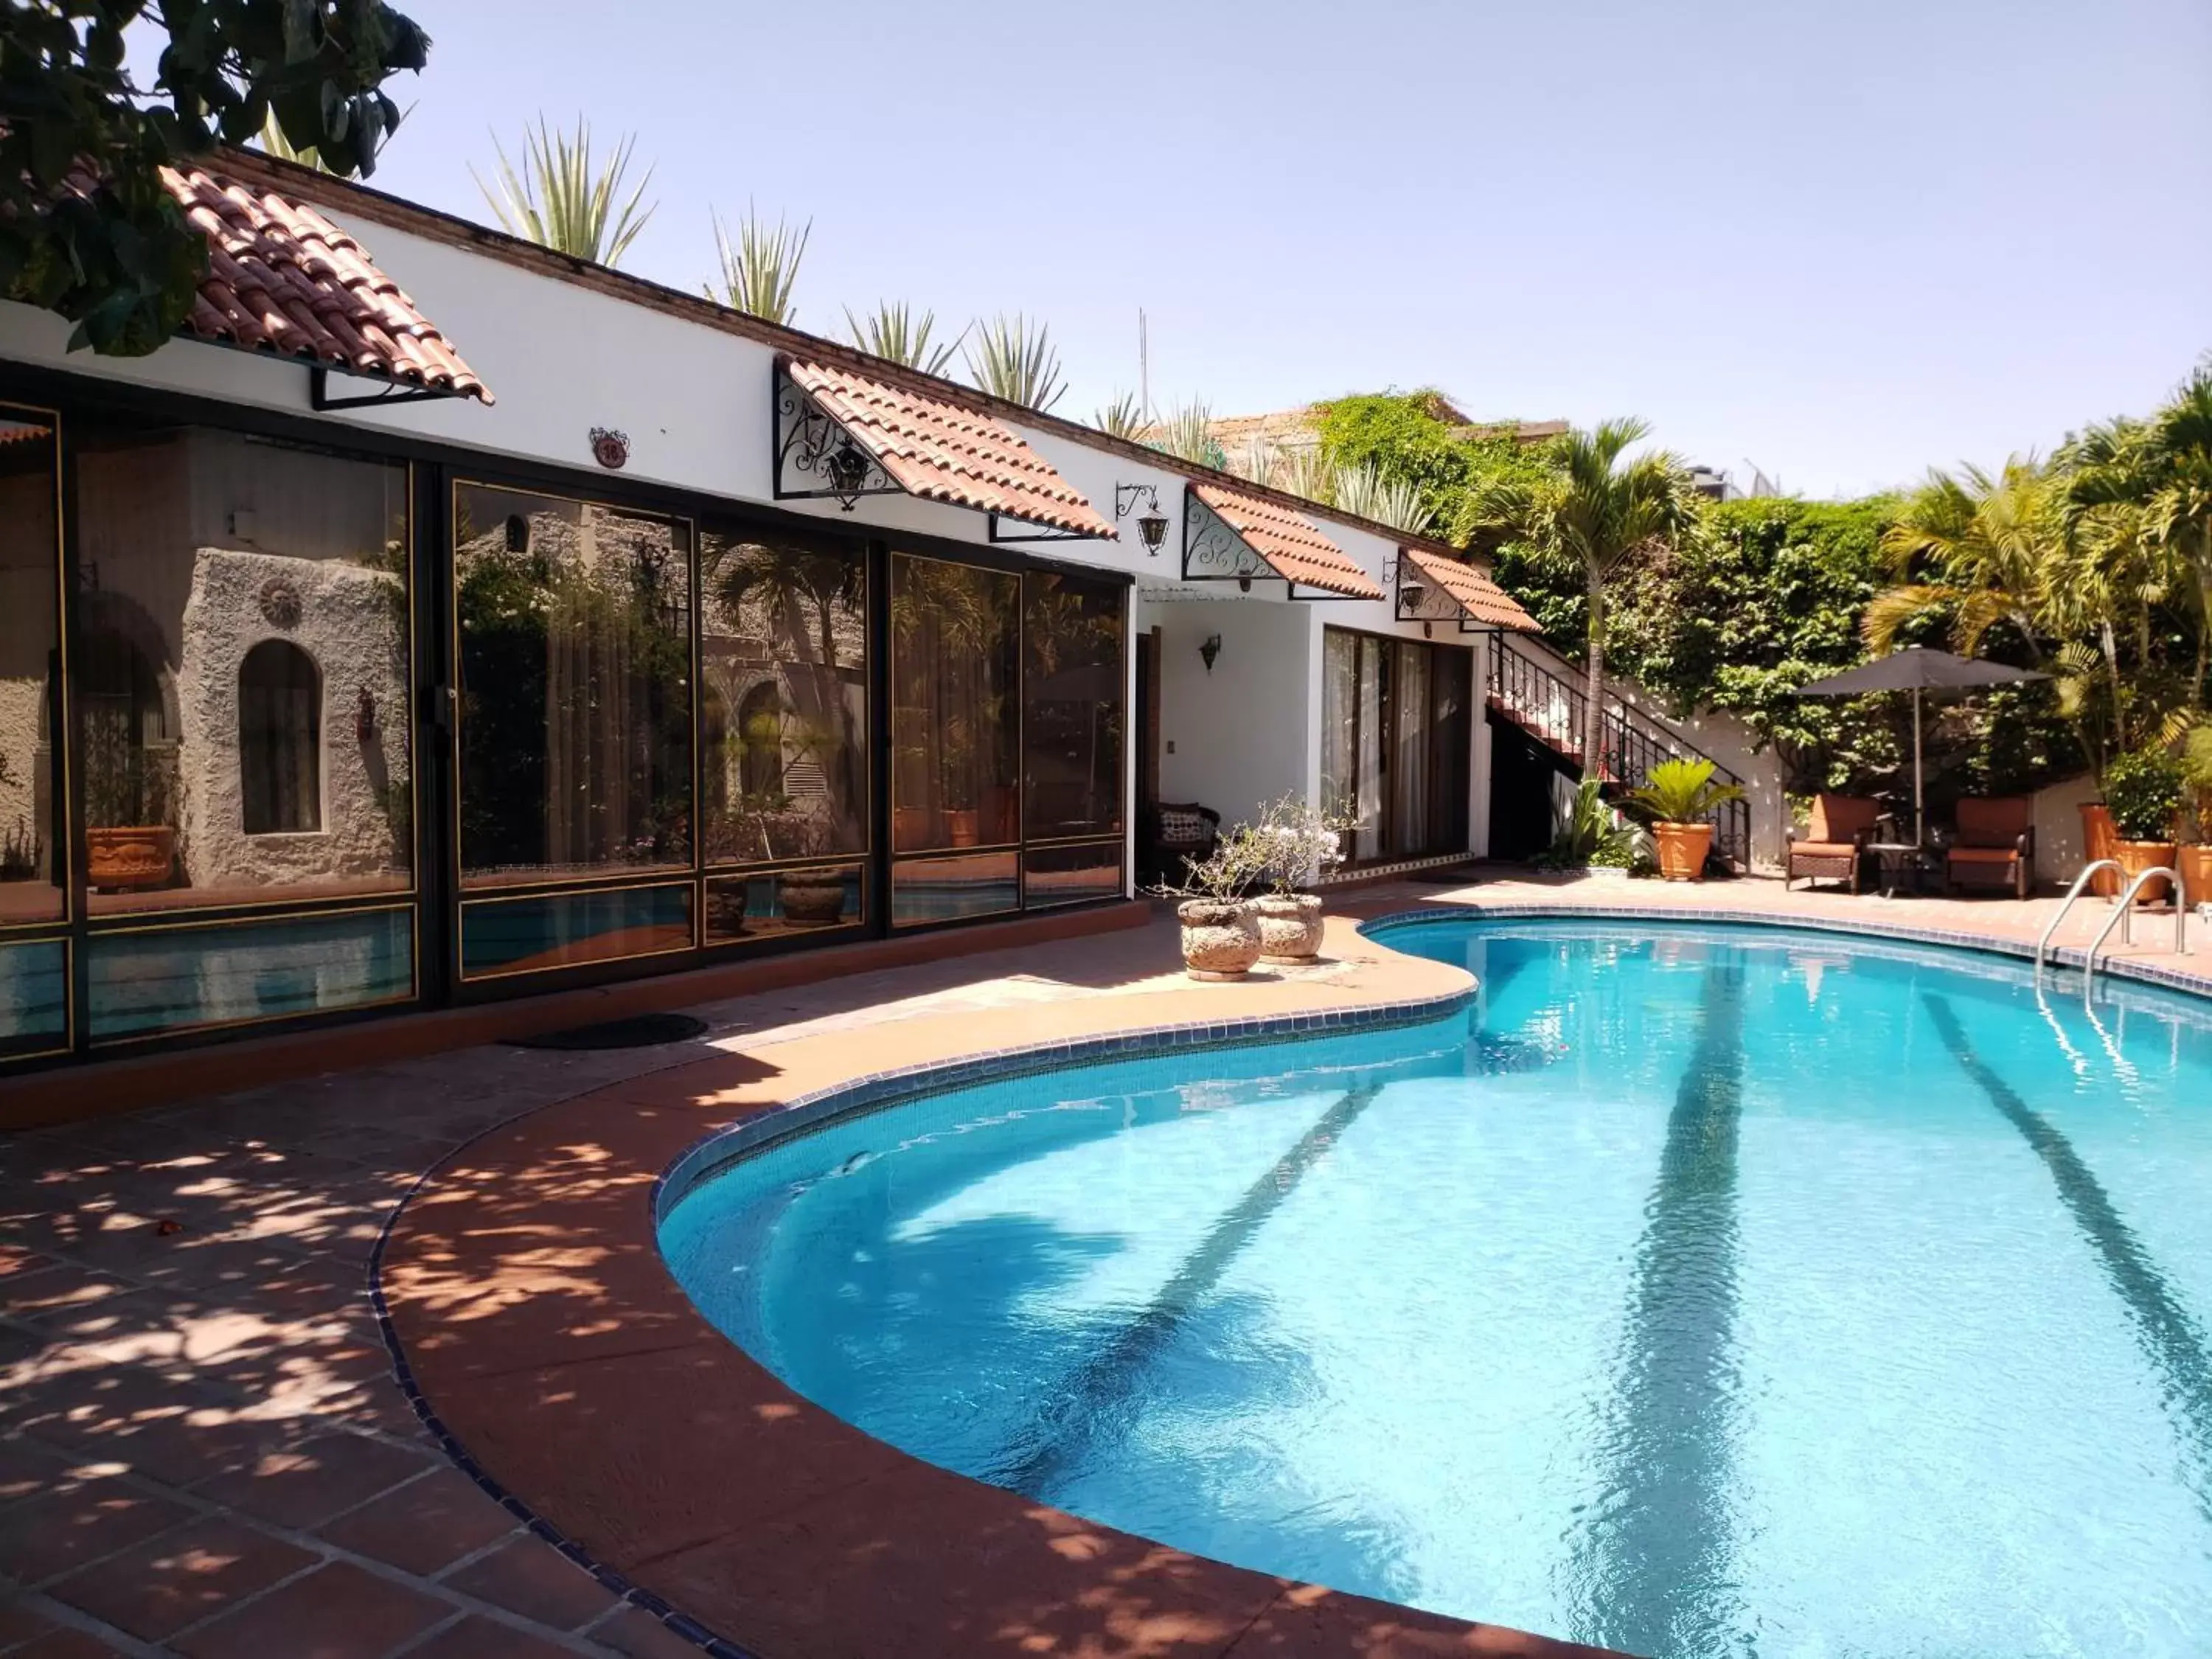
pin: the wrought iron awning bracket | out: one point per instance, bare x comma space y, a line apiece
1213, 552
1037, 532
394, 393
814, 457
1424, 601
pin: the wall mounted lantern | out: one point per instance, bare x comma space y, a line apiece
1210, 650
1152, 523
848, 471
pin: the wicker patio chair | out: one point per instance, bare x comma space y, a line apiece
1831, 844
1995, 846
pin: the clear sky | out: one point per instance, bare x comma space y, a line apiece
1844, 239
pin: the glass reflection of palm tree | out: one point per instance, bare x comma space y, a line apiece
952, 696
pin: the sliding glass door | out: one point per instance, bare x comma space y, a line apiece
1396, 731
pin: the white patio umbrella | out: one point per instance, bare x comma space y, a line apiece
1922, 673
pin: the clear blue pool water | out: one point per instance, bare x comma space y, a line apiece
1702, 1291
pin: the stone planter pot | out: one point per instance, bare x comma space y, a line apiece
118, 858
2195, 867
1289, 926
2097, 842
2138, 856
814, 899
1682, 848
1220, 937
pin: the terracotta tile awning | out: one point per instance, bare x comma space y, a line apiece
283, 279
1279, 542
938, 451
1472, 594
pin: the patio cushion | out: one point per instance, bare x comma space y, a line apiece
1839, 817
1983, 854
1997, 823
1181, 824
1823, 849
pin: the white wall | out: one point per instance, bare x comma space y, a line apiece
1247, 733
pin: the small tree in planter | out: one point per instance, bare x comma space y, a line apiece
1220, 933
1298, 842
1591, 837
2143, 791
2196, 865
1681, 796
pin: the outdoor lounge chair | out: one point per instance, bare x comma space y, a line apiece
1176, 831
1831, 844
1995, 846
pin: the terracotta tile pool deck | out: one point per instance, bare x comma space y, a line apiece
204, 1452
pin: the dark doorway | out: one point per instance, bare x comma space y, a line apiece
1521, 782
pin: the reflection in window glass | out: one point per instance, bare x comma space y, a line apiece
947, 889
30, 772
33, 998
1072, 703
956, 718
241, 671
1071, 875
576, 671
777, 905
173, 979
566, 930
783, 700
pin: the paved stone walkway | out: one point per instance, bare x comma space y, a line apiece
202, 1452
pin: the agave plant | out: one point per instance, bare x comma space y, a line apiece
759, 273
1306, 473
891, 331
565, 198
1188, 435
1122, 418
1366, 493
1013, 358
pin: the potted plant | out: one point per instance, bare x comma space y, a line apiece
2143, 791
128, 844
2196, 857
1592, 838
1220, 933
815, 897
1296, 841
1679, 795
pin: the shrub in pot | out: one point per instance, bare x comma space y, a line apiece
2143, 791
1220, 933
1681, 796
1591, 837
1296, 842
2195, 857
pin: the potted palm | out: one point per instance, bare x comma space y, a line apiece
1590, 838
2195, 857
1220, 931
2143, 791
1297, 841
1680, 795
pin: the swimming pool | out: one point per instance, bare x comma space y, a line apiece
1700, 1291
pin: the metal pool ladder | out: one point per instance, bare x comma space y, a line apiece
2072, 893
2127, 910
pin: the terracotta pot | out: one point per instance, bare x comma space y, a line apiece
1220, 937
1682, 849
2138, 856
2195, 867
962, 826
810, 897
140, 857
909, 829
2097, 840
1289, 926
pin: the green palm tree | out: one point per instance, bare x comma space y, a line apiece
891, 331
1013, 357
762, 269
1594, 514
564, 198
1986, 546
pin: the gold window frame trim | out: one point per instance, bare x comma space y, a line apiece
685, 881
414, 993
296, 903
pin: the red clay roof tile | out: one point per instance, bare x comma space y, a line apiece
942, 452
282, 278
1481, 599
1288, 542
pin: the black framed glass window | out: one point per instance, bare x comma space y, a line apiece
573, 633
240, 669
1072, 685
32, 841
1397, 733
956, 706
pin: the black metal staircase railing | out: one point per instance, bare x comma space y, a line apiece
1551, 707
